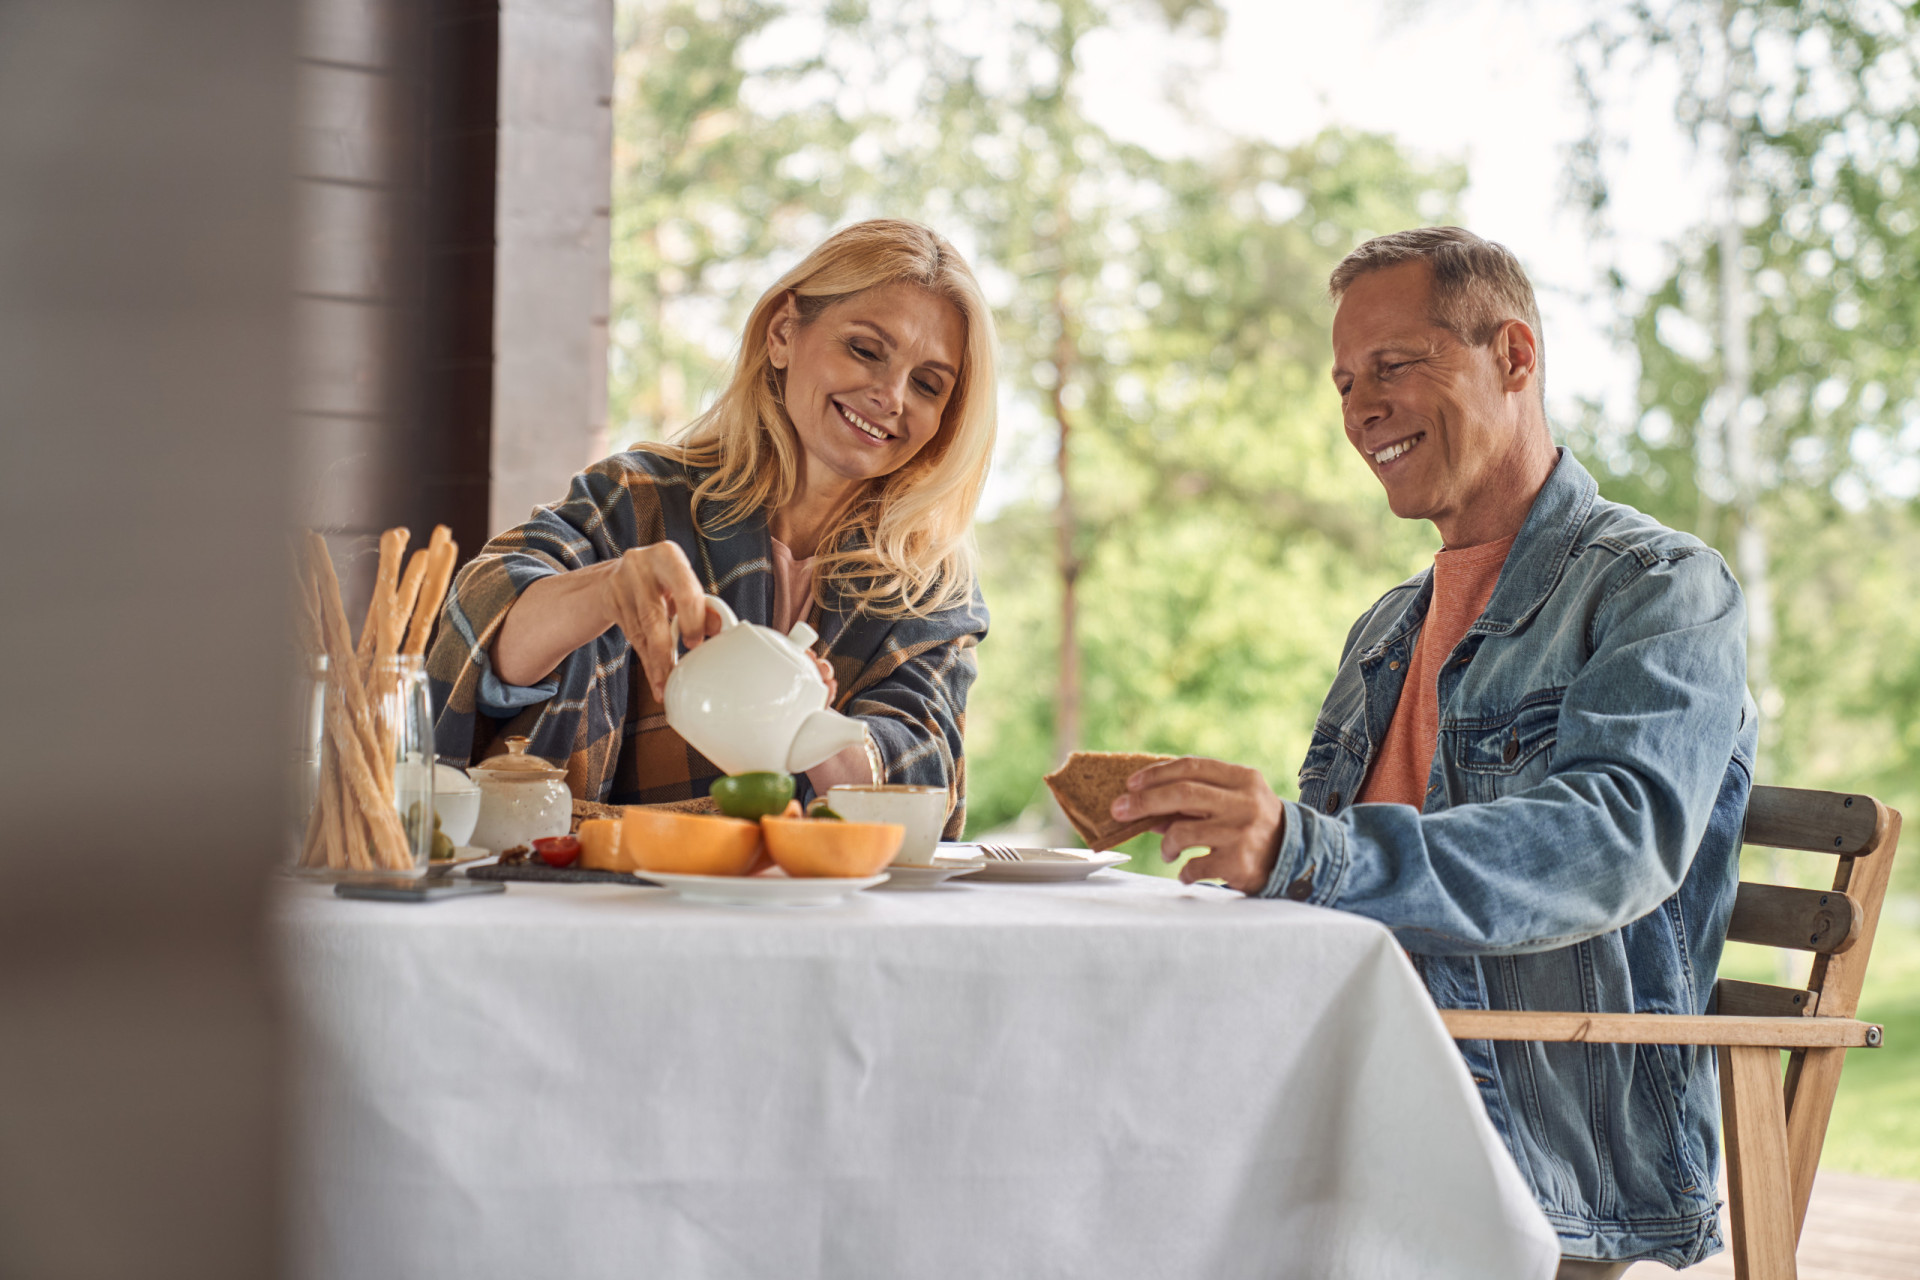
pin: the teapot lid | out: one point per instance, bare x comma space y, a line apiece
517, 765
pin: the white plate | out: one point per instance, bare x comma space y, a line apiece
774, 889
903, 876
1039, 865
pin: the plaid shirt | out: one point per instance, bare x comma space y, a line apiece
906, 678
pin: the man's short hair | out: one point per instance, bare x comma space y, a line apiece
1477, 285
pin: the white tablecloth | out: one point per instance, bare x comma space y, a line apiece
1119, 1078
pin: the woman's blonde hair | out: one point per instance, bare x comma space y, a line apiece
905, 546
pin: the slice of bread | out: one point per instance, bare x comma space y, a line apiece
585, 809
1086, 787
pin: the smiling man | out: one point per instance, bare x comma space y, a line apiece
1534, 760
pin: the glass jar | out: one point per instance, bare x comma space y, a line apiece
372, 813
303, 781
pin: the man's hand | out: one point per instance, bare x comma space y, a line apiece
1228, 808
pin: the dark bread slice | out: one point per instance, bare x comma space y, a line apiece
584, 809
1086, 787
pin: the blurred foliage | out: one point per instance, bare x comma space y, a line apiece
1227, 540
1825, 102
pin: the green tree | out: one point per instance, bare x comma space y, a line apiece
708, 192
1779, 401
1779, 418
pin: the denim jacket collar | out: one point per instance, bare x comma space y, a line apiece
1534, 567
1540, 554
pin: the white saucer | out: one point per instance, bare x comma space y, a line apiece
773, 889
1037, 866
904, 876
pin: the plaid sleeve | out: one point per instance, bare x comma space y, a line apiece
576, 713
913, 698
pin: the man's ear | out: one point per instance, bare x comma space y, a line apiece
1517, 351
780, 330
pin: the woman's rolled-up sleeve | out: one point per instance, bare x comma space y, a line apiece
596, 521
913, 699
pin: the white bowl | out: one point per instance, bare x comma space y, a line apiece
457, 802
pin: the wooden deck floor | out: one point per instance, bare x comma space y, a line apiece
1857, 1229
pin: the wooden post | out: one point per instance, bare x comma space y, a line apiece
1753, 1108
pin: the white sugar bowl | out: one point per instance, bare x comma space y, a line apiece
456, 802
522, 799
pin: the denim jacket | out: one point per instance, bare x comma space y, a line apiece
1578, 848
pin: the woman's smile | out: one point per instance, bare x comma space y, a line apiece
866, 428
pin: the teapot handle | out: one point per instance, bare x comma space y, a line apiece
727, 619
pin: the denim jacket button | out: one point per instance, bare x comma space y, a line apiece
1302, 889
1333, 801
1509, 751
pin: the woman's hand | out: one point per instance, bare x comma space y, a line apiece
640, 593
644, 591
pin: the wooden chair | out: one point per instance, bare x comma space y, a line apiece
1773, 1128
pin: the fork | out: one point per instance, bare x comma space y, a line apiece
1001, 852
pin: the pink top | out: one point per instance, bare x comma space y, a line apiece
792, 601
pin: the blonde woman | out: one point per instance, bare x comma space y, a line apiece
834, 481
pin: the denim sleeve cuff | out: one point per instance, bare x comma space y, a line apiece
1309, 865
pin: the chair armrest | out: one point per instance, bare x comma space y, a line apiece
1660, 1028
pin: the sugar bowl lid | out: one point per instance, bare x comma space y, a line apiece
517, 765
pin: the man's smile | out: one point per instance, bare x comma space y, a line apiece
1398, 449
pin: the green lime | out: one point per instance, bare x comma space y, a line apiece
753, 795
818, 809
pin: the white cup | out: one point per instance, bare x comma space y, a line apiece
921, 810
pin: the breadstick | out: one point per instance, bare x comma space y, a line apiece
409, 590
312, 847
343, 669
393, 544
432, 594
351, 724
389, 625
353, 838
314, 852
307, 616
338, 843
367, 812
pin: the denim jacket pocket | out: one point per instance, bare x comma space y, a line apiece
1500, 754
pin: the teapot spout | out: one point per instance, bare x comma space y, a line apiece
822, 735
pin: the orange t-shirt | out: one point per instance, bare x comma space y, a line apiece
1463, 582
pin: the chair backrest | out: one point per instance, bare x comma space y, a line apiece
1837, 925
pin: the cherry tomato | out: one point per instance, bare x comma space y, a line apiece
558, 851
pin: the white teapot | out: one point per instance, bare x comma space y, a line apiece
750, 699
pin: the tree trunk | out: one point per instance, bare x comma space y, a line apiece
1066, 717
